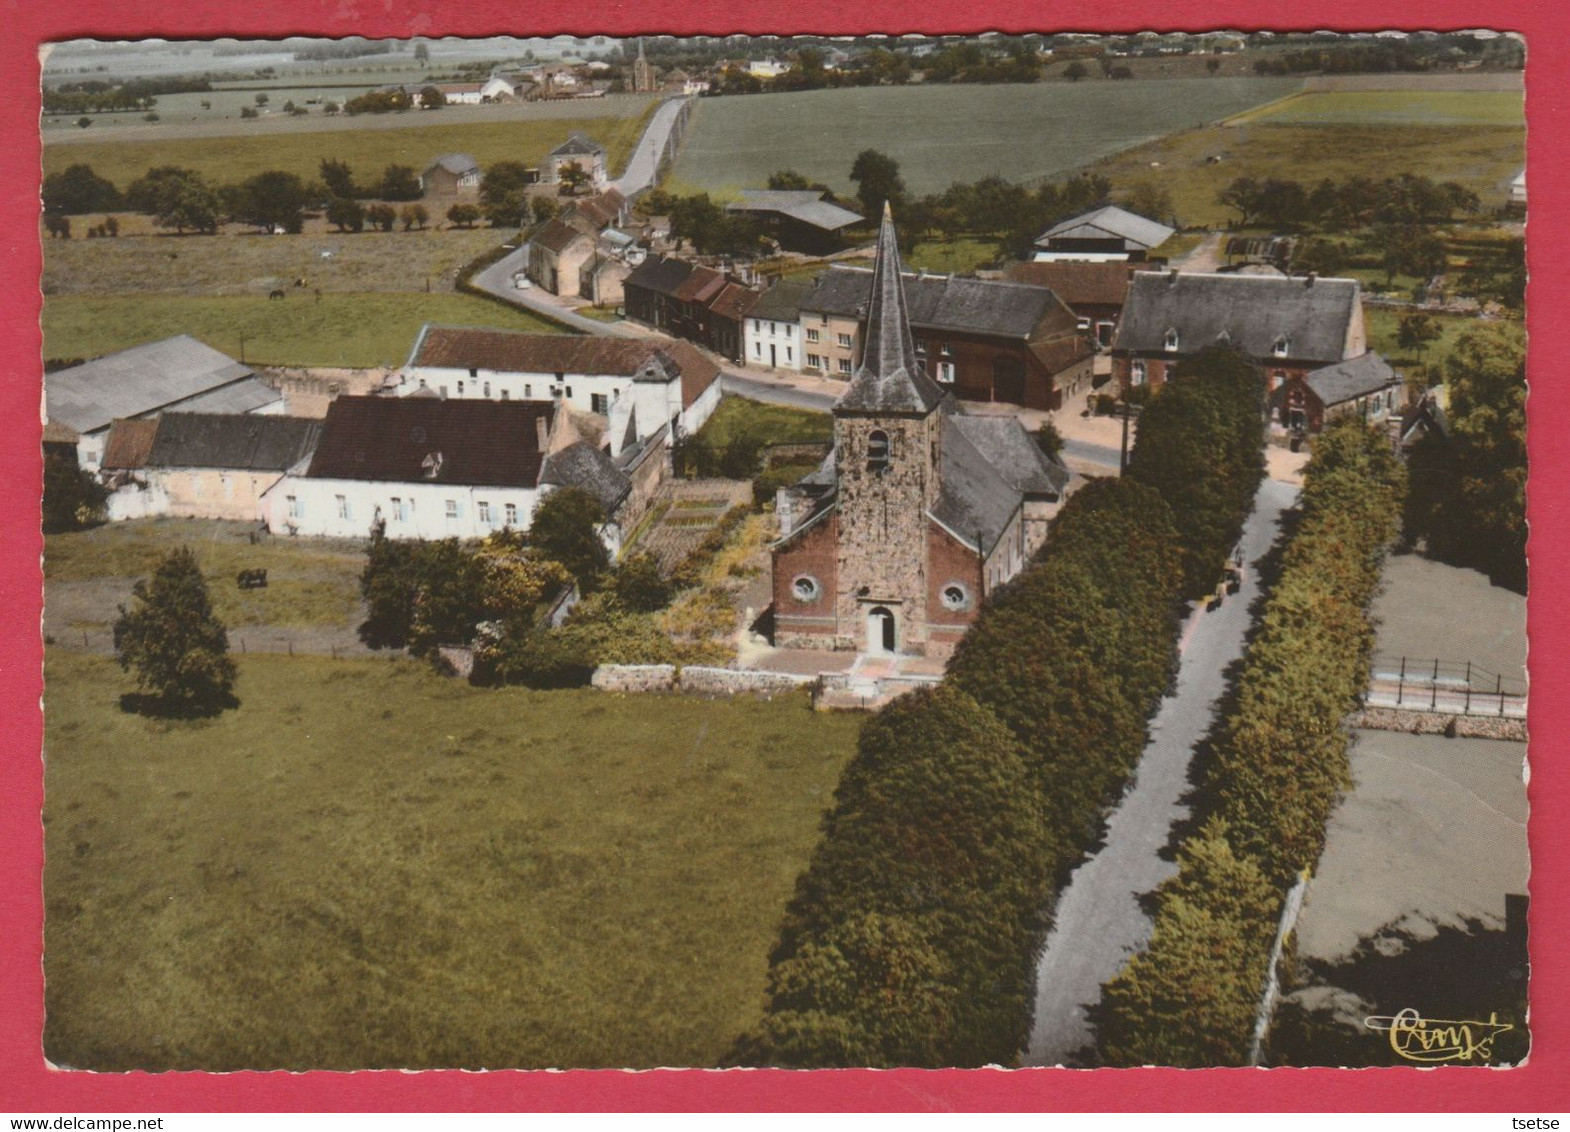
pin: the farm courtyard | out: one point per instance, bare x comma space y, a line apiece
473, 878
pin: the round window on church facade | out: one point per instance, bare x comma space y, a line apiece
956, 598
805, 588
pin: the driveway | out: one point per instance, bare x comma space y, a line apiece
1099, 923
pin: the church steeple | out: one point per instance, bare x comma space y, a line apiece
891, 377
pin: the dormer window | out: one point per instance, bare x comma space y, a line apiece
1282, 347
431, 466
1170, 341
877, 451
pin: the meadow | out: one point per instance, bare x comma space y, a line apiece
943, 134
351, 330
366, 864
368, 143
1393, 108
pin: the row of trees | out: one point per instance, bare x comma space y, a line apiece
1277, 764
1468, 494
1407, 199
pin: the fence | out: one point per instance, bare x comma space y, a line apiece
1451, 687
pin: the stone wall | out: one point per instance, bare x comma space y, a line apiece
635, 678
695, 680
1441, 723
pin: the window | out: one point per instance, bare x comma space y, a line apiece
510, 510
1136, 373
955, 597
452, 508
506, 395
422, 383
772, 330
814, 361
487, 390
946, 372
398, 513
788, 356
528, 391
599, 403
944, 351
441, 391
805, 588
484, 510
569, 393
472, 373
877, 451
1082, 324
757, 349
845, 365
845, 340
460, 389
1282, 347
1170, 341
294, 508
343, 505
812, 334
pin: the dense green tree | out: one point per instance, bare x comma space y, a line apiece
400, 182
431, 98
463, 215
1415, 331
639, 584
1075, 71
273, 200
413, 216
382, 216
1150, 198
347, 215
179, 649
176, 198
543, 208
78, 189
73, 497
566, 529
572, 177
877, 180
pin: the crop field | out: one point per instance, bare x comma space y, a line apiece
367, 142
368, 865
1195, 165
942, 134
353, 330
1394, 108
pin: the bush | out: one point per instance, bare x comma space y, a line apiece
566, 529
179, 649
73, 498
639, 585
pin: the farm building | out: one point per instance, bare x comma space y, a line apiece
1095, 292
578, 253
202, 465
802, 221
772, 335
985, 340
175, 373
689, 301
920, 512
579, 149
639, 385
451, 174
1288, 326
1108, 233
430, 468
1363, 386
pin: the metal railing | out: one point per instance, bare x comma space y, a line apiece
1452, 687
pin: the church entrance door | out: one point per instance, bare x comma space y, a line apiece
880, 631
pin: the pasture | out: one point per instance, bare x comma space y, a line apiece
352, 330
1393, 108
367, 142
368, 865
942, 134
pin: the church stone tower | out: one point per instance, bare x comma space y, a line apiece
887, 431
643, 81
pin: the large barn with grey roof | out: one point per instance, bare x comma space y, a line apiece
919, 512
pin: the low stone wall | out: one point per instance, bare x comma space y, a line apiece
635, 678
1440, 723
696, 680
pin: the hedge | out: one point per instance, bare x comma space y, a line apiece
1278, 765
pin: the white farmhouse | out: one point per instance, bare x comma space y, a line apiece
771, 332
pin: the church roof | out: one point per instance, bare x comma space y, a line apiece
891, 379
976, 501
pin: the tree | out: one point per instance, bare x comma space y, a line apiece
1048, 438
422, 52
572, 176
413, 216
73, 497
1416, 331
1149, 198
331, 108
432, 98
261, 99
249, 112
348, 215
176, 198
59, 226
566, 529
400, 182
338, 178
543, 208
1075, 71
179, 649
78, 189
504, 193
1243, 195
382, 216
877, 180
273, 200
639, 584
463, 215
84, 122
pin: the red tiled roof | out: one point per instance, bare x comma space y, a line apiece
602, 209
556, 235
481, 443
735, 301
700, 286
697, 371
1099, 284
129, 443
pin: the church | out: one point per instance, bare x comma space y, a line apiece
920, 511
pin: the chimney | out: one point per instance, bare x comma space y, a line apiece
542, 433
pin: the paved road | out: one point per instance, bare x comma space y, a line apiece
644, 164
1098, 922
497, 280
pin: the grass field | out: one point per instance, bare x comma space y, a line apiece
367, 150
942, 134
1383, 324
357, 330
1393, 108
1483, 158
309, 581
254, 264
738, 418
369, 865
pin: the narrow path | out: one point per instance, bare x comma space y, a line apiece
497, 280
643, 167
1098, 922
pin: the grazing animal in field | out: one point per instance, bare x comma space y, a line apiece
300, 282
276, 294
252, 579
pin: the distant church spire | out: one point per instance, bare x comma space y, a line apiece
891, 376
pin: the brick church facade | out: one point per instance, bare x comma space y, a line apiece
892, 545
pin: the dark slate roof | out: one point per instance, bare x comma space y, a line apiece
577, 144
245, 443
782, 301
939, 302
1351, 379
1136, 232
891, 378
481, 443
458, 163
141, 380
556, 235
582, 465
1254, 312
1089, 284
1012, 452
976, 502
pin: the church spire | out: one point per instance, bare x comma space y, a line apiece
891, 376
